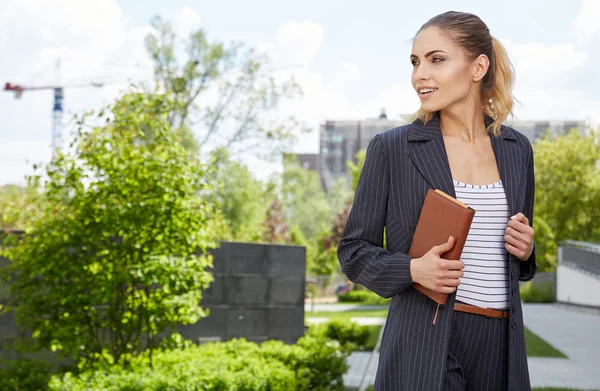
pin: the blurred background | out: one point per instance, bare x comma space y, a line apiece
271, 106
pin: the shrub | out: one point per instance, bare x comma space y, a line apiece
350, 335
315, 363
363, 296
537, 292
24, 375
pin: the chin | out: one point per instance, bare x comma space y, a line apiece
431, 106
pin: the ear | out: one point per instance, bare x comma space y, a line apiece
480, 67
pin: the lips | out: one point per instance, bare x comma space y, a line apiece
426, 90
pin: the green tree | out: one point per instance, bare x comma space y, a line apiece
242, 116
241, 197
119, 253
275, 229
567, 194
17, 205
356, 168
304, 201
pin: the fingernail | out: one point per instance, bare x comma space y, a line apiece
513, 217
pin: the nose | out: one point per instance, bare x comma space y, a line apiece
422, 72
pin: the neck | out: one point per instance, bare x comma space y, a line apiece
465, 122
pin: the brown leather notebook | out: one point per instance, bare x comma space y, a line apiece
442, 216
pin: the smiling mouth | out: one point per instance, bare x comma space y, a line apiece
427, 91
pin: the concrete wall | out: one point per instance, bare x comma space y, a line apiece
258, 294
578, 274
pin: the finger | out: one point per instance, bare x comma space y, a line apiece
452, 265
515, 242
453, 274
452, 282
515, 251
519, 226
515, 236
521, 218
446, 289
444, 247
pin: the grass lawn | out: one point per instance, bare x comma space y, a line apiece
536, 347
373, 335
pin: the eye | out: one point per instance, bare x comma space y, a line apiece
437, 59
414, 62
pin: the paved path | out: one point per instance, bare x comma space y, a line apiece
573, 331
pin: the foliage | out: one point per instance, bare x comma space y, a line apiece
24, 375
362, 296
242, 117
314, 215
356, 168
274, 228
304, 200
350, 335
242, 198
16, 205
567, 194
314, 363
112, 261
537, 292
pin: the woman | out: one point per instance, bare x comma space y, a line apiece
457, 144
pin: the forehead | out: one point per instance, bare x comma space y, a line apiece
430, 39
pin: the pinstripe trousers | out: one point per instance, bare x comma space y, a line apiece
477, 354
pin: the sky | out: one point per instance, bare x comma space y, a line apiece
351, 58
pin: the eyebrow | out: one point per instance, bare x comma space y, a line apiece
428, 53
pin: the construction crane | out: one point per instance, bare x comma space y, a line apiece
57, 110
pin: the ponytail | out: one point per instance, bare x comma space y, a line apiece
498, 100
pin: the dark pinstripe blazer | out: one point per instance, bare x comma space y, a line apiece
401, 165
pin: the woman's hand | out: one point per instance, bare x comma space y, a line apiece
519, 237
433, 272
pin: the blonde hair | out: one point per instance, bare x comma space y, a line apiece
472, 34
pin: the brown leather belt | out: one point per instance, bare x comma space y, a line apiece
489, 312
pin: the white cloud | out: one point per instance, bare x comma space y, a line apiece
296, 43
352, 71
586, 25
185, 21
542, 82
539, 64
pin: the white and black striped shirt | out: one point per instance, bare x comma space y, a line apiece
485, 282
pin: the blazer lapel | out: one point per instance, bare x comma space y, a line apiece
428, 153
511, 173
429, 156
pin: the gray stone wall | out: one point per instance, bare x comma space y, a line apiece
258, 294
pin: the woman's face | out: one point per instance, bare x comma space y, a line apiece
442, 74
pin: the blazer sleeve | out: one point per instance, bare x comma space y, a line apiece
528, 268
360, 252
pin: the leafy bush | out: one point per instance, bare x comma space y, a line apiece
362, 296
315, 363
118, 253
24, 375
350, 335
537, 292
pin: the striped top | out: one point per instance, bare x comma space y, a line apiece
485, 282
